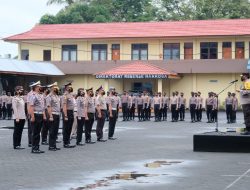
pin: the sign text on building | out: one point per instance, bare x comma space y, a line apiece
132, 76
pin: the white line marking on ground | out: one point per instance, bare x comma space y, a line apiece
239, 178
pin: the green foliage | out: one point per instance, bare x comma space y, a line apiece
81, 11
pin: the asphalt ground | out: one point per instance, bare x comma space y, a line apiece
146, 155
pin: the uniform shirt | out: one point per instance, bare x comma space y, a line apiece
80, 106
139, 101
173, 100
113, 101
165, 101
157, 100
215, 106
118, 100
37, 101
200, 101
193, 101
4, 99
29, 96
209, 101
9, 100
89, 104
69, 101
145, 100
53, 101
182, 101
18, 106
101, 101
235, 103
244, 95
124, 99
229, 101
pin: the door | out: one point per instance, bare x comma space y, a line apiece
115, 52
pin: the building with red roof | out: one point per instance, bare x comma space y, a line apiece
199, 55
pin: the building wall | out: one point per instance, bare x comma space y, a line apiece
155, 47
189, 82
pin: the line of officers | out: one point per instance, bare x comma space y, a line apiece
45, 106
177, 103
6, 106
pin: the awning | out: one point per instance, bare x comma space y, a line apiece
14, 66
136, 70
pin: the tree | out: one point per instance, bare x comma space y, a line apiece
48, 19
67, 2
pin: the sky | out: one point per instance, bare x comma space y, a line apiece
17, 16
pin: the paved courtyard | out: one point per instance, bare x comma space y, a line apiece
146, 155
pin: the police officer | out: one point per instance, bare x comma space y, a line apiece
4, 105
9, 105
199, 107
182, 107
68, 115
157, 106
101, 113
235, 107
18, 105
215, 108
132, 106
29, 98
46, 123
165, 102
193, 106
245, 101
229, 107
54, 109
177, 105
89, 107
1, 104
113, 103
124, 102
173, 106
107, 106
80, 115
146, 104
209, 107
139, 105
37, 112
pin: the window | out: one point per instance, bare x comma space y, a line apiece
188, 50
227, 50
239, 50
171, 51
209, 50
139, 51
115, 52
69, 53
46, 55
99, 52
24, 54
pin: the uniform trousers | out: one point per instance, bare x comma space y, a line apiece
30, 126
125, 113
246, 113
157, 112
45, 128
80, 124
140, 112
174, 112
36, 126
112, 123
229, 112
18, 130
100, 125
199, 113
67, 127
9, 111
132, 112
182, 112
164, 112
1, 111
214, 115
192, 111
145, 112
53, 130
149, 112
4, 111
234, 116
209, 112
88, 126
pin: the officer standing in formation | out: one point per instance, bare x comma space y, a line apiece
4, 105
182, 107
157, 102
173, 107
199, 107
165, 103
125, 103
80, 100
229, 107
235, 107
18, 105
140, 106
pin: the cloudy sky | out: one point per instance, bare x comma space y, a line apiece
17, 16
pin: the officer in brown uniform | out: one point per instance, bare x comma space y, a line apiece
101, 113
37, 112
113, 103
215, 108
68, 115
29, 98
165, 102
140, 106
193, 106
80, 115
235, 107
173, 106
229, 107
157, 106
199, 106
46, 123
124, 102
182, 107
177, 114
146, 104
89, 107
18, 105
132, 107
9, 105
53, 105
209, 106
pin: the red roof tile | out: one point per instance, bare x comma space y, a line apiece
136, 30
137, 68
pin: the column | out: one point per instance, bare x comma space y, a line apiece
194, 82
106, 85
159, 84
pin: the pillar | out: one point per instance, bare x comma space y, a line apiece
159, 84
106, 85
